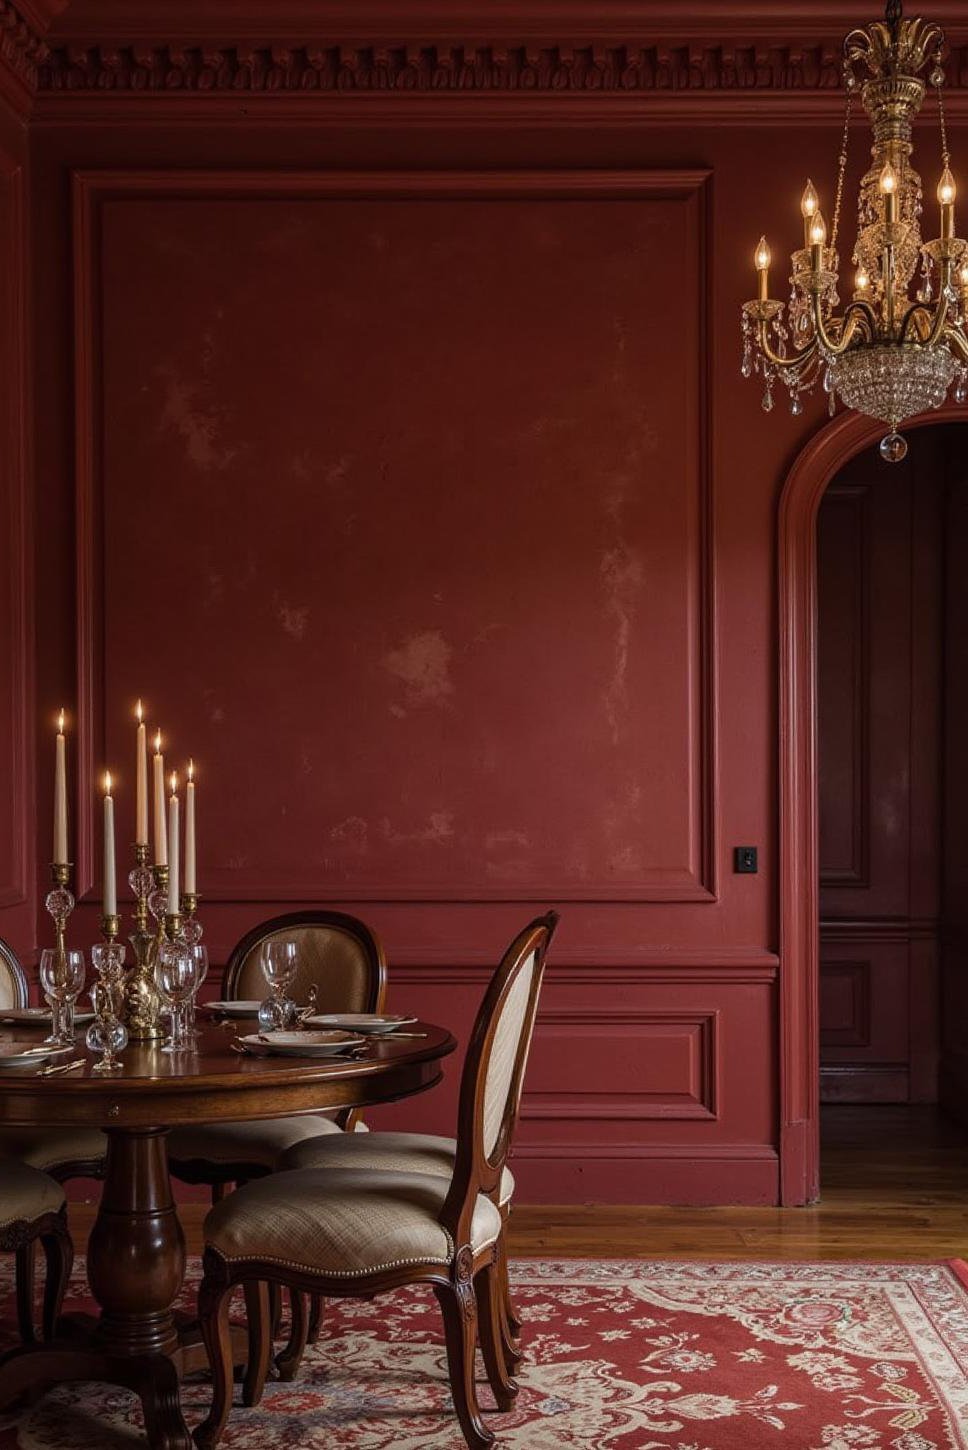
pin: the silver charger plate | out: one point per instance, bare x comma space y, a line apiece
231, 1009
302, 1044
372, 1024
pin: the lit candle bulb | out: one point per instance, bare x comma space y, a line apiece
60, 794
161, 835
861, 282
761, 261
173, 891
809, 204
110, 884
818, 236
946, 199
887, 182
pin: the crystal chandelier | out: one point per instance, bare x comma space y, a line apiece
883, 354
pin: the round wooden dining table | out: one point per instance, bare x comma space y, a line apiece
136, 1252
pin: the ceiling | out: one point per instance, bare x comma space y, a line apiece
295, 20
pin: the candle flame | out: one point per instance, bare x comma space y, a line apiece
191, 770
107, 782
158, 743
60, 723
139, 711
174, 782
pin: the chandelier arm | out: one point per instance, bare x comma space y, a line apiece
936, 322
851, 326
957, 341
778, 359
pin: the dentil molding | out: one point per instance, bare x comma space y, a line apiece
474, 67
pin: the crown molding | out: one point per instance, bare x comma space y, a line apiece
462, 69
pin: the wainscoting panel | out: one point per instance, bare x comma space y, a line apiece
404, 633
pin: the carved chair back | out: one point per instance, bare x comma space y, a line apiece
13, 978
337, 954
493, 1076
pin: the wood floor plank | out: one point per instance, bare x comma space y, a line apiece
894, 1186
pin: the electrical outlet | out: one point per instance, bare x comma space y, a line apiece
744, 860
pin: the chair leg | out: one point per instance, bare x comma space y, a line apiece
509, 1320
490, 1306
458, 1306
260, 1340
275, 1310
316, 1302
515, 1323
26, 1259
289, 1360
213, 1318
59, 1257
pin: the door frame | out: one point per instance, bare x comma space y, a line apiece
799, 884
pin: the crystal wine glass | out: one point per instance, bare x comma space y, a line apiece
176, 974
61, 978
279, 962
106, 1034
200, 958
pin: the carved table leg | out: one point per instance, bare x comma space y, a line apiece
136, 1265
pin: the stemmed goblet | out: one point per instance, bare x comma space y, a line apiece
200, 958
279, 962
61, 978
106, 1033
176, 978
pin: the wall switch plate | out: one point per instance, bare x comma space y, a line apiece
744, 860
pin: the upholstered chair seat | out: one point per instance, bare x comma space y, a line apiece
343, 1224
32, 1211
26, 1194
62, 1152
248, 1147
389, 1152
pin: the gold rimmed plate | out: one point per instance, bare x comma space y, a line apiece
302, 1044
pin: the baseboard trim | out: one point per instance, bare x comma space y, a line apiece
733, 1173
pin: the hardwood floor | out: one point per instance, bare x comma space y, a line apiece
894, 1186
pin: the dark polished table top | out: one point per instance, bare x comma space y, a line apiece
216, 1082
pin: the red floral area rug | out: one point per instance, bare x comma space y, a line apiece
628, 1356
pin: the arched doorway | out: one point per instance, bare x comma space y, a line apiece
812, 472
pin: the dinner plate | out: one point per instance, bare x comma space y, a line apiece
302, 1044
19, 1054
371, 1023
232, 1009
37, 1017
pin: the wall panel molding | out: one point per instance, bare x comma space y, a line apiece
691, 1035
693, 881
16, 642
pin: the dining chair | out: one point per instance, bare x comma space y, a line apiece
32, 1212
360, 1232
343, 959
60, 1153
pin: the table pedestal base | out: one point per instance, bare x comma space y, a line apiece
135, 1267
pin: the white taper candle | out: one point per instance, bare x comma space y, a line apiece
173, 892
110, 882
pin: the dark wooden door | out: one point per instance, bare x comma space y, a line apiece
880, 571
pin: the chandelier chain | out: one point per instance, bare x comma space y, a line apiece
892, 15
945, 156
841, 169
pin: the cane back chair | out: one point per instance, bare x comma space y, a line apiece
359, 1232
